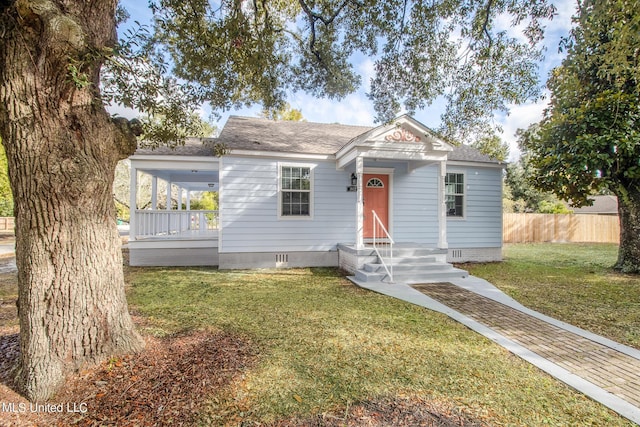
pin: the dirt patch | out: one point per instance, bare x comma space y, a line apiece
399, 411
163, 385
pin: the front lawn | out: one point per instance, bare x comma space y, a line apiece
571, 282
323, 345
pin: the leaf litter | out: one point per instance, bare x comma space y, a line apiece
170, 380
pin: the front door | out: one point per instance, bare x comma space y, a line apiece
376, 197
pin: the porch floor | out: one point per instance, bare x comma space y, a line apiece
183, 235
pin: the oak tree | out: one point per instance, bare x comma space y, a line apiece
60, 63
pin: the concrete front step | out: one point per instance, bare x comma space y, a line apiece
434, 276
411, 277
408, 265
407, 269
400, 252
412, 263
369, 277
419, 259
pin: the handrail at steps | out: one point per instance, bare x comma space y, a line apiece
388, 247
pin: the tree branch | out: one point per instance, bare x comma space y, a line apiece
63, 30
485, 25
126, 135
313, 17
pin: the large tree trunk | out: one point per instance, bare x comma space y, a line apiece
629, 211
62, 149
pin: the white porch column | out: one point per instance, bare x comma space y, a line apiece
188, 199
179, 198
442, 212
154, 192
133, 198
168, 195
359, 204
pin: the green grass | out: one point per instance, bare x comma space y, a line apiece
324, 344
572, 282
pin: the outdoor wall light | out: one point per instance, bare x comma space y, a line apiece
354, 183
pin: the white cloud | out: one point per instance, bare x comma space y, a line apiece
521, 117
367, 71
121, 111
354, 109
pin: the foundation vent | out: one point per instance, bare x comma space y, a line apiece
282, 260
456, 254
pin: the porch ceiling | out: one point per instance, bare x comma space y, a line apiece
192, 180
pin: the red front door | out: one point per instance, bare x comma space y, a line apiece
375, 191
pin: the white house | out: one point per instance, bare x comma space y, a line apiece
298, 194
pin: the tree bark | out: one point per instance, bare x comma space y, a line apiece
629, 213
62, 149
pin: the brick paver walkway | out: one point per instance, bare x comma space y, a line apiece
605, 367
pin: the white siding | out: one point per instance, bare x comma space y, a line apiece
249, 208
481, 226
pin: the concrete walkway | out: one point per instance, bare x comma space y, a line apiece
602, 369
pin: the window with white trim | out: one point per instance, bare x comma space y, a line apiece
454, 194
295, 191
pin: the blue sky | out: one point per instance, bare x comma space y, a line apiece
356, 109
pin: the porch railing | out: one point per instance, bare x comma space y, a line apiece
151, 223
383, 245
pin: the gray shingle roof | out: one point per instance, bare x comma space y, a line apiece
602, 204
201, 147
465, 153
252, 133
249, 133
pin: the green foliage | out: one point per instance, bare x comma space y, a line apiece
286, 113
6, 195
232, 54
77, 77
558, 207
135, 77
492, 145
122, 211
158, 130
208, 201
522, 196
590, 137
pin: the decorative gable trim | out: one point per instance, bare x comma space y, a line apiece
402, 135
402, 139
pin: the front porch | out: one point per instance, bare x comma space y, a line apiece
174, 238
160, 224
164, 229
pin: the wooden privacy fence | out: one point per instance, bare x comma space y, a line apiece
521, 228
6, 223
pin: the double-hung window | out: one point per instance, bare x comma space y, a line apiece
295, 191
454, 194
